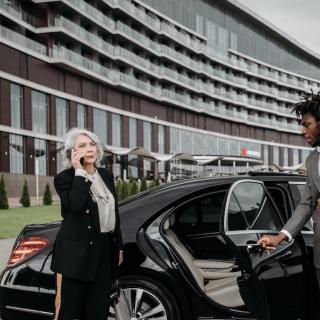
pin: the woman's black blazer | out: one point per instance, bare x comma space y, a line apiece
77, 247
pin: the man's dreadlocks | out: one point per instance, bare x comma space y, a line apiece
310, 104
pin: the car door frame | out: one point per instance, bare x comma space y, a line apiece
251, 278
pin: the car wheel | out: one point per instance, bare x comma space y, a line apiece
148, 300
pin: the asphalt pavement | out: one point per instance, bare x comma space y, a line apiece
5, 251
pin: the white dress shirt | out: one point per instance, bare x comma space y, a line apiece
104, 199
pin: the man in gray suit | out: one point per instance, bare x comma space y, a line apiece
308, 114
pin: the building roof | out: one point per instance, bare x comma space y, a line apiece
274, 28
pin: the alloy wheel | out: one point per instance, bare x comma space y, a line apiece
143, 305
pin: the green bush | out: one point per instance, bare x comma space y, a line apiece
3, 195
124, 190
133, 187
25, 198
152, 184
118, 188
143, 185
47, 196
157, 181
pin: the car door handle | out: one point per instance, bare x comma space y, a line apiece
284, 255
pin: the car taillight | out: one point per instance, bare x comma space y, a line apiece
27, 248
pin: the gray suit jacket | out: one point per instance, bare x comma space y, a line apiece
308, 205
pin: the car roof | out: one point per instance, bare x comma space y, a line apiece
135, 211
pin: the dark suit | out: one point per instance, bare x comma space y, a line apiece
81, 249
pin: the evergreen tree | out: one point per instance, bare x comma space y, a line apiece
143, 185
118, 188
124, 190
47, 196
3, 195
134, 189
25, 198
152, 184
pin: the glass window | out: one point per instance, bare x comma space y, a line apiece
132, 133
266, 155
276, 155
296, 156
147, 135
147, 145
285, 157
61, 116
16, 105
116, 130
16, 153
81, 116
251, 209
132, 160
100, 124
161, 139
59, 158
39, 103
40, 156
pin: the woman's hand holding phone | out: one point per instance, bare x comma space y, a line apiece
77, 159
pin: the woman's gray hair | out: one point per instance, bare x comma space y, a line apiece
71, 136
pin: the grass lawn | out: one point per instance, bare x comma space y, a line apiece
14, 219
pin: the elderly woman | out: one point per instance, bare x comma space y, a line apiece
88, 247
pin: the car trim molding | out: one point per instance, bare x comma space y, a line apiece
43, 313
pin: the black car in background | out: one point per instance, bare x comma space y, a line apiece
190, 253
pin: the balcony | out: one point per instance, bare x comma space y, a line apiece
18, 13
20, 40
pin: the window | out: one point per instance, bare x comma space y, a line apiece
132, 160
16, 154
116, 130
40, 155
61, 116
39, 102
161, 139
132, 133
59, 158
146, 145
203, 213
250, 208
276, 155
100, 124
16, 105
81, 116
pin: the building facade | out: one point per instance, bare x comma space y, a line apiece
195, 76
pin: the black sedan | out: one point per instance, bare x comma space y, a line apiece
190, 253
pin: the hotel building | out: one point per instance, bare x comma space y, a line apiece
209, 78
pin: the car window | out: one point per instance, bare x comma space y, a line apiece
250, 208
189, 214
203, 210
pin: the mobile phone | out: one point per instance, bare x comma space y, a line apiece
82, 160
68, 153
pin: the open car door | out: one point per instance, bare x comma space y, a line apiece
272, 283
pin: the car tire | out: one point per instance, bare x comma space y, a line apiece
147, 298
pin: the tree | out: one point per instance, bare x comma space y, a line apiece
134, 189
143, 185
152, 184
118, 188
25, 198
47, 196
3, 195
124, 190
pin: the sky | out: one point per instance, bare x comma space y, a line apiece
298, 18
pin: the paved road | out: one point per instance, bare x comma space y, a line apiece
5, 250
